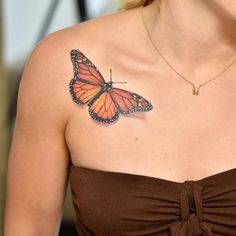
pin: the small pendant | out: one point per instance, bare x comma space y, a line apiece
196, 91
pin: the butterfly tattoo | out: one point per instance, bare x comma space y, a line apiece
104, 101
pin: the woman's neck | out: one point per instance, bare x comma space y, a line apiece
192, 32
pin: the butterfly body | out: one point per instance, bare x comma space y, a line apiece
104, 101
107, 86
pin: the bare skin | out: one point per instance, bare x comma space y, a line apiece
183, 137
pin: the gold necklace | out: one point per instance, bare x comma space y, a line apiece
195, 90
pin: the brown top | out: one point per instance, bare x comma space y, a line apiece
112, 203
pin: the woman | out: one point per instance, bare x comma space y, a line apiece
157, 160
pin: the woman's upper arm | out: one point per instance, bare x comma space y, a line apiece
38, 163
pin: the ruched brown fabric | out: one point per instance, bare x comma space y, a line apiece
116, 204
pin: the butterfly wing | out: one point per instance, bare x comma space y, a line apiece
82, 92
129, 102
107, 107
87, 80
103, 109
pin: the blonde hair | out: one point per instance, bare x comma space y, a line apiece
130, 4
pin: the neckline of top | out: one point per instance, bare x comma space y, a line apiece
219, 174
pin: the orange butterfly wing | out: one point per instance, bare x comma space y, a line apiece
129, 102
103, 109
107, 107
87, 81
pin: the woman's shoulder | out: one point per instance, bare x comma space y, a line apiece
101, 32
49, 66
101, 39
93, 36
99, 28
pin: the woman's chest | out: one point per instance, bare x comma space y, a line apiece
183, 135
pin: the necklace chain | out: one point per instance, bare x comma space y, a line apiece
195, 90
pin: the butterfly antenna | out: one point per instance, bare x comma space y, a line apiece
115, 82
110, 74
